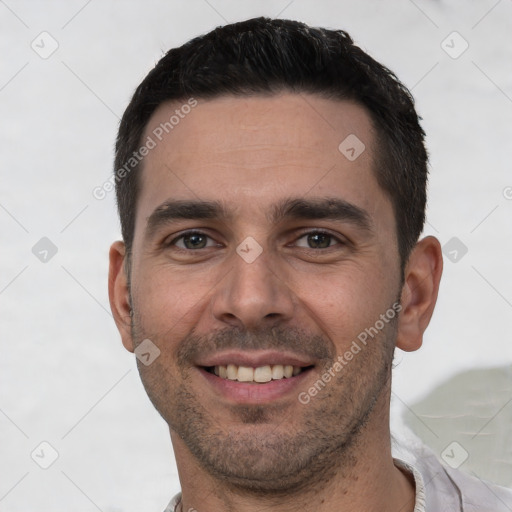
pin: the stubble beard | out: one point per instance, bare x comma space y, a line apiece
265, 449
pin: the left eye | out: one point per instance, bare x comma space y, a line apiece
193, 240
317, 240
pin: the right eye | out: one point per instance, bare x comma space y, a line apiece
192, 240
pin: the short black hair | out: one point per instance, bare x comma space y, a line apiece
263, 56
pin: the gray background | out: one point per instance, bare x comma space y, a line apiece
64, 376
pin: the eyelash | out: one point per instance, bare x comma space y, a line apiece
183, 235
302, 235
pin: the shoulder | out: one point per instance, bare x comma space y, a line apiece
479, 495
445, 487
172, 505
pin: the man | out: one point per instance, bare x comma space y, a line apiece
271, 186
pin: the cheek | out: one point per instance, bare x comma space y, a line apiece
345, 303
169, 301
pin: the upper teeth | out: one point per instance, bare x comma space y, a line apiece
261, 374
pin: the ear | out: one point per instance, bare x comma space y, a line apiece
118, 293
419, 293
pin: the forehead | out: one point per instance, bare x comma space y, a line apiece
254, 150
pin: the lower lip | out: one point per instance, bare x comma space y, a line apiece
256, 393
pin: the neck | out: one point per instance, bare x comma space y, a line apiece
371, 483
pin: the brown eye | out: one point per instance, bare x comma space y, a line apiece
319, 241
192, 240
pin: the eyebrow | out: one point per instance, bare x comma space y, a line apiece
329, 208
294, 208
172, 210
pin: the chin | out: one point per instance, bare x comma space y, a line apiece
270, 459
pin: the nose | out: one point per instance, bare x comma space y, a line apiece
253, 295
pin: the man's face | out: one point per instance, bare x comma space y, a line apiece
269, 248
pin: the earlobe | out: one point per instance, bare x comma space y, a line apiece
419, 293
119, 294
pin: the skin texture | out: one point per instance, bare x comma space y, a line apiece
311, 302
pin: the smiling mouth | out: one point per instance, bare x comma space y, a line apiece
259, 375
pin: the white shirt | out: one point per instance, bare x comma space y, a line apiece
440, 488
